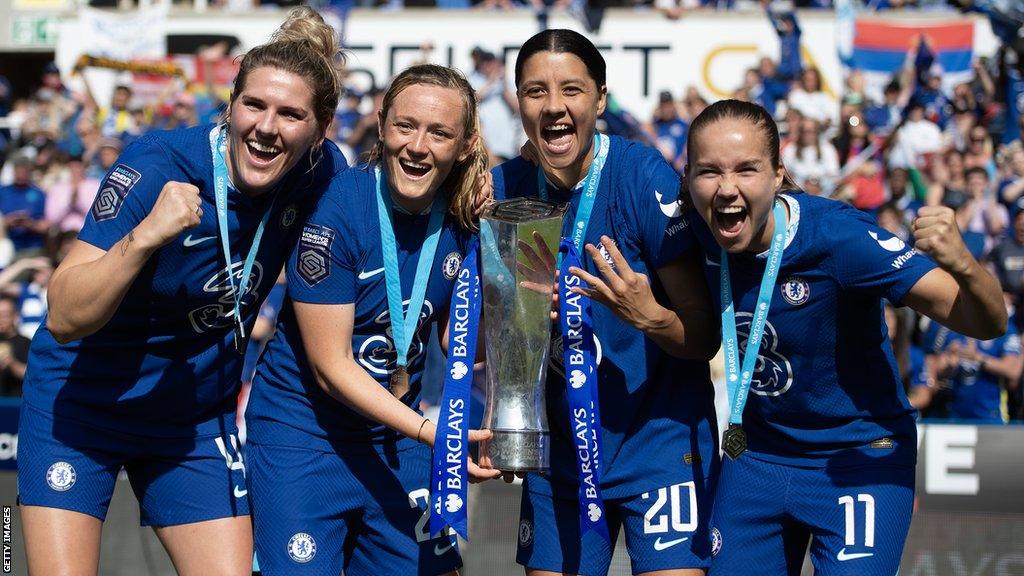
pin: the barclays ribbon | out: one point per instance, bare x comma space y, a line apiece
737, 380
578, 346
220, 189
580, 364
451, 441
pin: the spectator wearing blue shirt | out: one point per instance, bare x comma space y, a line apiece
978, 371
22, 204
788, 30
670, 130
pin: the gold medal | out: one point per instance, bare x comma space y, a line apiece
399, 383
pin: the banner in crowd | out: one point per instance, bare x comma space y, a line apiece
646, 53
881, 48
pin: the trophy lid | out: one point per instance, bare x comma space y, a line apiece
517, 210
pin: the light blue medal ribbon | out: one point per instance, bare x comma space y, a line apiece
403, 324
220, 189
578, 354
451, 441
737, 381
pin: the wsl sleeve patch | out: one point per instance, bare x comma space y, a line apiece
115, 188
314, 258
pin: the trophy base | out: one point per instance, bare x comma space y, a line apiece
518, 450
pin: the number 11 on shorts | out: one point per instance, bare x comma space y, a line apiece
851, 524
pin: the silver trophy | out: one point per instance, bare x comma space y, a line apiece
518, 247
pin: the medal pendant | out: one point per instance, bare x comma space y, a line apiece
399, 383
735, 441
241, 342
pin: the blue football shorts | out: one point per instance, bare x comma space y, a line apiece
856, 518
664, 528
73, 466
362, 510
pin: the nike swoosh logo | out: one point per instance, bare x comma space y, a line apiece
364, 275
672, 209
190, 242
239, 492
843, 556
440, 550
710, 262
659, 545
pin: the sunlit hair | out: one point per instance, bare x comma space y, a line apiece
308, 47
460, 186
749, 112
561, 41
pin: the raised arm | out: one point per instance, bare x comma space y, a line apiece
960, 293
90, 283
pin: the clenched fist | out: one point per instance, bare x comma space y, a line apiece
937, 235
178, 208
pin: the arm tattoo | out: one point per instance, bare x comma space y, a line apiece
127, 242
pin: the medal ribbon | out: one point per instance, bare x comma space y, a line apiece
578, 349
403, 324
451, 441
737, 382
580, 364
220, 189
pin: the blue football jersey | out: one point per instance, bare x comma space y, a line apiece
657, 411
165, 364
825, 380
978, 394
339, 260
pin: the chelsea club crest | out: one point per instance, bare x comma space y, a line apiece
452, 263
301, 547
288, 217
796, 291
61, 476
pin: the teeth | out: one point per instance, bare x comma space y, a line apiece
558, 128
265, 148
414, 165
730, 209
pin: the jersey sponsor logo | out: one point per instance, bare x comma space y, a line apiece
677, 227
604, 254
671, 209
190, 241
301, 547
525, 533
659, 545
796, 291
773, 374
594, 512
367, 274
843, 556
218, 315
114, 189
716, 542
893, 244
377, 353
288, 216
452, 263
314, 260
903, 258
61, 476
577, 379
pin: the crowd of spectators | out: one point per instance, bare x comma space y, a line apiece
909, 145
